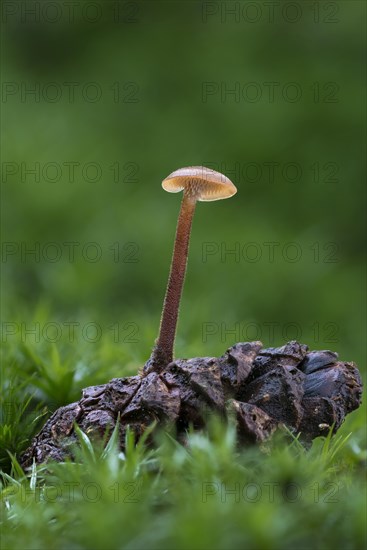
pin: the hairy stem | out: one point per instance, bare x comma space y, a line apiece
163, 350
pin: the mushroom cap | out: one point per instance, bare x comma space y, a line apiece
201, 183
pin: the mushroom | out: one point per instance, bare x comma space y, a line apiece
198, 184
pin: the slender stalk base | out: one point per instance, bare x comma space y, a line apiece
162, 353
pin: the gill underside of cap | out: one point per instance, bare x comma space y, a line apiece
202, 183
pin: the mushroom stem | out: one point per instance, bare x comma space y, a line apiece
162, 353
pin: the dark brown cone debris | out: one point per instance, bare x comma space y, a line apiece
307, 391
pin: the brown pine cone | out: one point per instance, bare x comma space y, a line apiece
309, 392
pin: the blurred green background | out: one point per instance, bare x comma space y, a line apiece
126, 92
